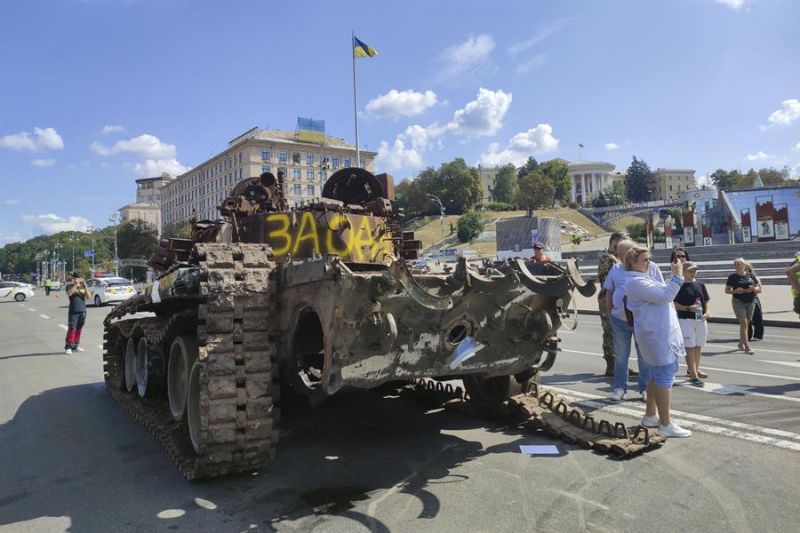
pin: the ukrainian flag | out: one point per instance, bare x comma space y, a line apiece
362, 50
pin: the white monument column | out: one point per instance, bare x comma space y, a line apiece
572, 191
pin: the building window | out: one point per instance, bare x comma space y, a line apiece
309, 159
310, 174
265, 155
264, 168
323, 175
298, 190
296, 173
282, 157
310, 190
335, 162
296, 158
346, 162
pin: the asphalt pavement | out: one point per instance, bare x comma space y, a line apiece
71, 460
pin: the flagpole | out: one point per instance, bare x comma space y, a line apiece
355, 98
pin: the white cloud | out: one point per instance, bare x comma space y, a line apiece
795, 171
42, 163
611, 146
536, 39
397, 156
535, 141
395, 104
146, 145
785, 116
155, 167
482, 116
42, 139
796, 148
113, 128
758, 156
467, 57
536, 61
11, 201
7, 237
52, 223
736, 5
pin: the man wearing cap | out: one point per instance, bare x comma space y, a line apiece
78, 293
793, 273
538, 254
608, 260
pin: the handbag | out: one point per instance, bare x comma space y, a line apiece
628, 313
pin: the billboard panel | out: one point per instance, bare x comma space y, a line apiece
746, 235
765, 218
781, 218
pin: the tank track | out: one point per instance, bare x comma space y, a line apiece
539, 409
236, 355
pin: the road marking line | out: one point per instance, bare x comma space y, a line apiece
31, 309
45, 317
713, 329
728, 349
715, 369
684, 419
62, 326
728, 390
100, 346
787, 363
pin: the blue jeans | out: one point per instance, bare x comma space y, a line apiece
622, 351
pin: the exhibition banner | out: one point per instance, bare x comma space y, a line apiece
765, 218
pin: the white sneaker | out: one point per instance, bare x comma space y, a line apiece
644, 396
618, 395
80, 349
68, 351
650, 421
673, 430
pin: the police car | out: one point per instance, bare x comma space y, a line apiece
15, 290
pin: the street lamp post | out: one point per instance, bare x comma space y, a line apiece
114, 219
72, 238
90, 230
441, 210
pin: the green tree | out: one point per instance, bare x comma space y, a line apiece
640, 181
180, 230
558, 173
469, 226
137, 239
506, 186
531, 165
456, 184
615, 193
724, 180
772, 176
600, 201
535, 190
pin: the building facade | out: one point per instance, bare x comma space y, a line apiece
148, 202
589, 179
672, 183
307, 165
488, 177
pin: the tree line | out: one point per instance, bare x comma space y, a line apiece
136, 239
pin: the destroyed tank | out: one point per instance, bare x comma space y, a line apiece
272, 304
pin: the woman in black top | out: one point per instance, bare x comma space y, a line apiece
743, 286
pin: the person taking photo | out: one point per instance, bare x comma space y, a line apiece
78, 293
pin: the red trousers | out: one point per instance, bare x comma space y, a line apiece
75, 321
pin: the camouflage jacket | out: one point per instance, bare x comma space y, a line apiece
607, 261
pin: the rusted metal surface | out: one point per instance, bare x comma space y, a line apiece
322, 292
539, 410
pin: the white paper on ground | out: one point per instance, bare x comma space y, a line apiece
539, 449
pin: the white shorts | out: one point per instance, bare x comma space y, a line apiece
694, 332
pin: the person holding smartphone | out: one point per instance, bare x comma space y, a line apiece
658, 333
78, 293
743, 287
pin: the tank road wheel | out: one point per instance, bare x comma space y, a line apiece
182, 355
193, 418
130, 364
489, 393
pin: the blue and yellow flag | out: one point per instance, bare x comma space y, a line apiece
362, 50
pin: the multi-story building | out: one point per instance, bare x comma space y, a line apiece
671, 183
306, 164
488, 177
148, 201
589, 178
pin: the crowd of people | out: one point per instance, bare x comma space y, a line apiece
667, 319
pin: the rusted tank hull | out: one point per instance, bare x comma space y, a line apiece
375, 327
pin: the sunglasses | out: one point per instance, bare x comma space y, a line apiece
680, 256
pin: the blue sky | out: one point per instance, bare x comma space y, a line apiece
95, 93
